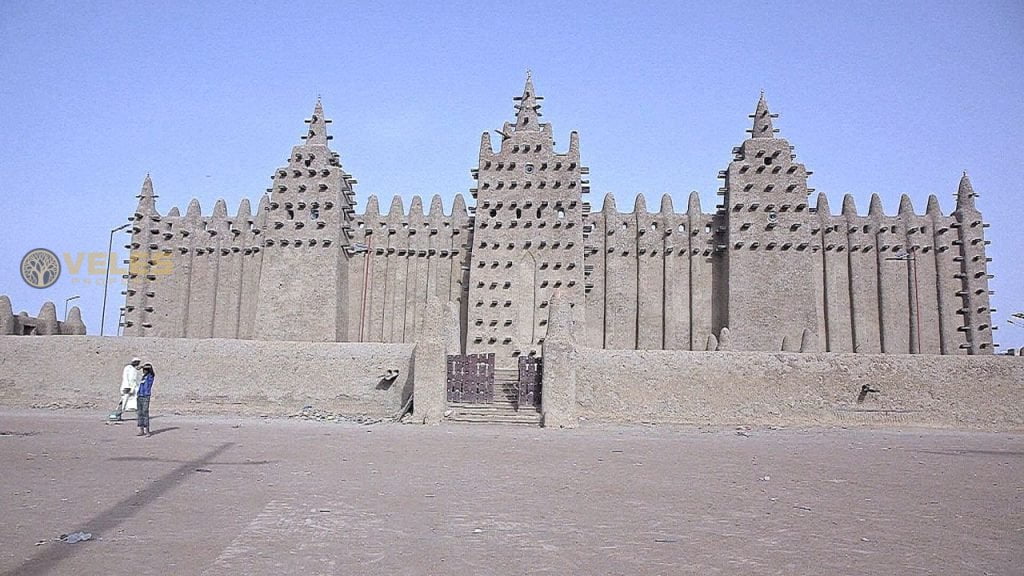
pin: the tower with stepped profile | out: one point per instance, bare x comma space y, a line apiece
766, 272
528, 234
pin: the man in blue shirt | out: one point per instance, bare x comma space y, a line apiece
143, 395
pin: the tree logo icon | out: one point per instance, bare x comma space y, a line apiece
40, 268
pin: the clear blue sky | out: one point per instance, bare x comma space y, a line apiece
209, 97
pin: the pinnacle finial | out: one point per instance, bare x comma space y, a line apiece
965, 193
147, 198
527, 107
763, 120
317, 133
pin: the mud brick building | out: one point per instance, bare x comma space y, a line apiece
770, 268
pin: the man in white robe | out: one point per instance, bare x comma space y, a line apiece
129, 385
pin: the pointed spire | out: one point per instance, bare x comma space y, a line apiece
416, 209
220, 210
194, 211
823, 209
527, 107
965, 194
261, 211
906, 206
875, 207
666, 205
609, 204
933, 206
147, 199
47, 320
174, 212
849, 205
397, 210
459, 212
436, 206
244, 210
74, 325
372, 209
640, 205
6, 316
317, 134
693, 205
485, 144
762, 120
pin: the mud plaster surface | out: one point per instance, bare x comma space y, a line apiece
218, 495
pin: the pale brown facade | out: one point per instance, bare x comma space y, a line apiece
771, 268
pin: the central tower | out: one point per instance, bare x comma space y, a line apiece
768, 251
528, 240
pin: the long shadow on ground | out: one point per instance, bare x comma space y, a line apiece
46, 560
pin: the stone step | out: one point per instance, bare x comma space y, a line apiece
490, 419
496, 412
493, 415
496, 405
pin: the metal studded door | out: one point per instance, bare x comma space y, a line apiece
530, 376
471, 378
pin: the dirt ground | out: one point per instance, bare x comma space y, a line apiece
222, 496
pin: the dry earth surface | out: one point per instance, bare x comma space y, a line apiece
222, 496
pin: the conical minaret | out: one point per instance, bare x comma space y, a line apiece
142, 247
766, 244
977, 314
309, 219
528, 237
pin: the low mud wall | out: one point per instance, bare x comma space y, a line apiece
787, 389
207, 376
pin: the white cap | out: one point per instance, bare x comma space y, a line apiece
135, 361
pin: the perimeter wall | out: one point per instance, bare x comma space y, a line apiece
787, 389
721, 388
207, 376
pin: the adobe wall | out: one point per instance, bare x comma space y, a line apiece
207, 376
788, 389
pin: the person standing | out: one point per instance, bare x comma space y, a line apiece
129, 385
144, 394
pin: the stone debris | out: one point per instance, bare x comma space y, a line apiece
63, 405
75, 537
311, 413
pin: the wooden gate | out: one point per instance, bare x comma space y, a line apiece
471, 378
530, 376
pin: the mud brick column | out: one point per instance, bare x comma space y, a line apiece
429, 368
558, 388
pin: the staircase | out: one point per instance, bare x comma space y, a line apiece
502, 410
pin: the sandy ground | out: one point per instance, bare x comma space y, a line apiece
221, 496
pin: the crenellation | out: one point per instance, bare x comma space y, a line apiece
765, 270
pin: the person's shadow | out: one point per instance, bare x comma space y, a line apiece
162, 430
